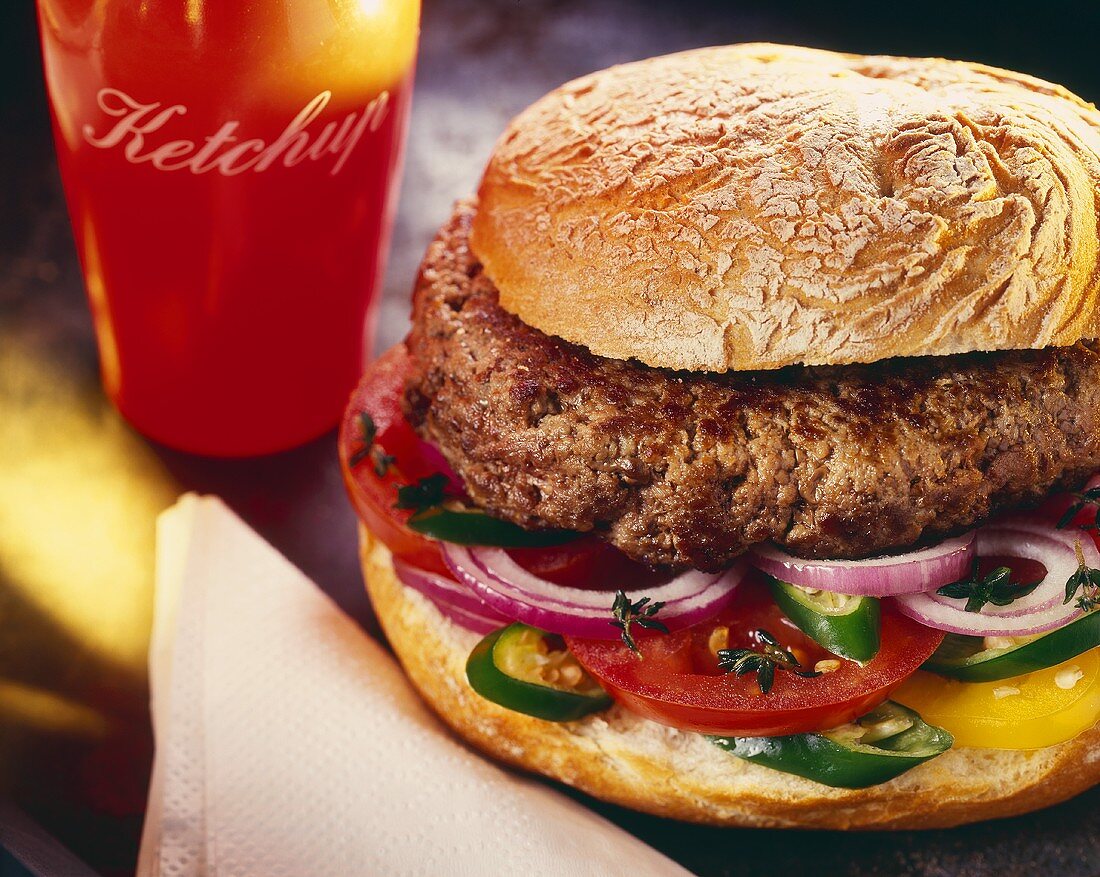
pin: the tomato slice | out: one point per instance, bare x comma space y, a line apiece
586, 562
678, 682
375, 496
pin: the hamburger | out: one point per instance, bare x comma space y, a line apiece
738, 465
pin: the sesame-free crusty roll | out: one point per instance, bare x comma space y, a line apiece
757, 206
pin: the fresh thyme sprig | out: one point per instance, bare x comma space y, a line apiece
368, 432
763, 664
641, 612
994, 587
1085, 498
1085, 580
426, 493
382, 462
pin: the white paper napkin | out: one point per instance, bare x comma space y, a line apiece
290, 743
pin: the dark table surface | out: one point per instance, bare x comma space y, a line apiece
79, 489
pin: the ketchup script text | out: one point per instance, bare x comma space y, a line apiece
223, 151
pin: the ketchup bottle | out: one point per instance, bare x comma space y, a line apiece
230, 170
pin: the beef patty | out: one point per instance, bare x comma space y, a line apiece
691, 469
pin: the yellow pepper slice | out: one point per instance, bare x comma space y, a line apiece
1025, 712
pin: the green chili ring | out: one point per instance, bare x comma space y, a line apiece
965, 658
839, 758
478, 528
510, 647
849, 631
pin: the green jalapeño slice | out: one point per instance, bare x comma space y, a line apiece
469, 527
974, 659
885, 743
530, 671
847, 626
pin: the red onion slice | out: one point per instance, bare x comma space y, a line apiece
500, 565
1051, 547
455, 601
1042, 610
911, 573
954, 619
481, 624
507, 587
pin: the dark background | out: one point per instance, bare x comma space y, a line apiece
481, 61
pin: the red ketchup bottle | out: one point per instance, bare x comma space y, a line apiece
230, 170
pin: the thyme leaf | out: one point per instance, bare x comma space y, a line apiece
640, 612
367, 433
994, 587
1084, 498
763, 663
1084, 580
426, 493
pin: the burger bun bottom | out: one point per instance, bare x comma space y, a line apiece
622, 758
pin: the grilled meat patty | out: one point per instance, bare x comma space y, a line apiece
691, 469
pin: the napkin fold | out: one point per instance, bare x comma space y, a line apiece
290, 743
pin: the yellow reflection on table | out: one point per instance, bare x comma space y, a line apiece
49, 712
79, 495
